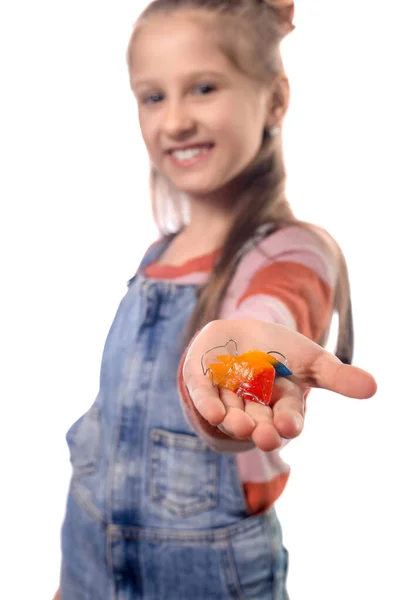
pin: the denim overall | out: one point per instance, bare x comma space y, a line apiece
152, 512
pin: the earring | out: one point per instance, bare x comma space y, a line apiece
274, 130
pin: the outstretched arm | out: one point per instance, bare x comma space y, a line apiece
312, 366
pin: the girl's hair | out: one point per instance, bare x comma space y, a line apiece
249, 32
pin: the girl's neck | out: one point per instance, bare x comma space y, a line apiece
204, 234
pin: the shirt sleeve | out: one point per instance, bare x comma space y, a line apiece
287, 278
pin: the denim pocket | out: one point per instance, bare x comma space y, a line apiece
256, 566
183, 473
83, 440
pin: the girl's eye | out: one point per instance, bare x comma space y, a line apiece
152, 98
205, 88
200, 90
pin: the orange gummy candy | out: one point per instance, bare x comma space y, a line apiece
250, 375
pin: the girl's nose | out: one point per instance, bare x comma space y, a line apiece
177, 120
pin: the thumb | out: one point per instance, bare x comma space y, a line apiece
347, 380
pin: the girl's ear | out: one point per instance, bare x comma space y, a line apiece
278, 100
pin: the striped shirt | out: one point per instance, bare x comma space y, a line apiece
288, 278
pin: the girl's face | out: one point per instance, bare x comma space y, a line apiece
201, 119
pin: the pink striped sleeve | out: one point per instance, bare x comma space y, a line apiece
288, 279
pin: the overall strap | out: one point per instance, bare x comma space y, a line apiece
153, 253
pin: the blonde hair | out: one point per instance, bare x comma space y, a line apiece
250, 33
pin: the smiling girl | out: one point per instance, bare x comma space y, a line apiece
174, 480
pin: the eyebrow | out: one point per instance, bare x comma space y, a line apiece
188, 76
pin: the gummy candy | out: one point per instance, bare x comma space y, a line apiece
250, 375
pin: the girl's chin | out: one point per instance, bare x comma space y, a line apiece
200, 188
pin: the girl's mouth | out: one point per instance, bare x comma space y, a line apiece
190, 156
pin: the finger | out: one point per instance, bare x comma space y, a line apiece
236, 421
347, 380
265, 435
204, 395
288, 408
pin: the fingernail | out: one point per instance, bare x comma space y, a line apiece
224, 430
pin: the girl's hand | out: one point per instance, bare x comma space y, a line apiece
312, 366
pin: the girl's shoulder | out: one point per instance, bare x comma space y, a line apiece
299, 235
298, 243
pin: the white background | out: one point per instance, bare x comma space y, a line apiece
75, 221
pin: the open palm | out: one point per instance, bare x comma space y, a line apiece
312, 366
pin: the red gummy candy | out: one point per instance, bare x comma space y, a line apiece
258, 389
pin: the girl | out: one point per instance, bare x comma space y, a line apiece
174, 481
